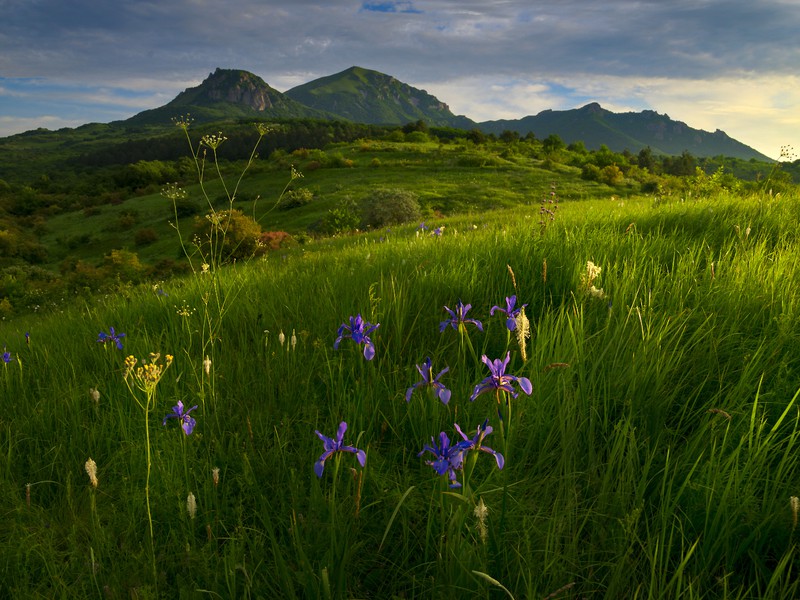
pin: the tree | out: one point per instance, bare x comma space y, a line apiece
552, 143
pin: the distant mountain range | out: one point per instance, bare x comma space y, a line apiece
365, 96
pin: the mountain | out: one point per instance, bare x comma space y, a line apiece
365, 96
226, 94
594, 125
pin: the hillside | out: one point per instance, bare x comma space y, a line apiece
594, 126
366, 96
229, 94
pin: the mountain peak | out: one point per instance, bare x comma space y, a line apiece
232, 86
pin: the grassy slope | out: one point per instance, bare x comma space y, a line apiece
623, 478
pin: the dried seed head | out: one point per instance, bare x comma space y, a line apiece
794, 502
91, 471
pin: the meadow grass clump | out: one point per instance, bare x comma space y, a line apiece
642, 443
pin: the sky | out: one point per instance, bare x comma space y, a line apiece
732, 65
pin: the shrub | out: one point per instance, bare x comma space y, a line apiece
145, 236
296, 198
273, 240
390, 207
341, 218
228, 234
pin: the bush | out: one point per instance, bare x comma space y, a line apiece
145, 236
230, 234
296, 198
390, 207
343, 217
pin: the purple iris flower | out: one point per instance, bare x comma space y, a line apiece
7, 358
510, 312
499, 380
426, 370
476, 443
333, 446
449, 457
111, 336
422, 226
187, 422
459, 316
358, 331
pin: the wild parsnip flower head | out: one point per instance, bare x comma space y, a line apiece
207, 365
94, 394
213, 140
332, 446
91, 471
264, 128
147, 376
191, 505
172, 191
183, 121
295, 174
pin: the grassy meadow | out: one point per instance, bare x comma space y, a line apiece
655, 457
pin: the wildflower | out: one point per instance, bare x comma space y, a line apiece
94, 394
499, 380
426, 370
458, 318
281, 337
448, 457
28, 338
422, 227
187, 422
523, 331
191, 505
476, 443
481, 512
438, 231
91, 471
358, 331
215, 476
111, 336
293, 340
7, 358
510, 312
333, 446
207, 365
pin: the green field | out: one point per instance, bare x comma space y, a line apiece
656, 456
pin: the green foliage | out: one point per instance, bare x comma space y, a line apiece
229, 234
390, 207
296, 198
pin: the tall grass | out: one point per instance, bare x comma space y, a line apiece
655, 457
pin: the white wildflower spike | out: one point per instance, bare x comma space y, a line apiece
481, 512
191, 505
94, 394
207, 366
293, 340
281, 337
215, 476
794, 502
523, 332
91, 471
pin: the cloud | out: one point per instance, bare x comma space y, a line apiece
392, 6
